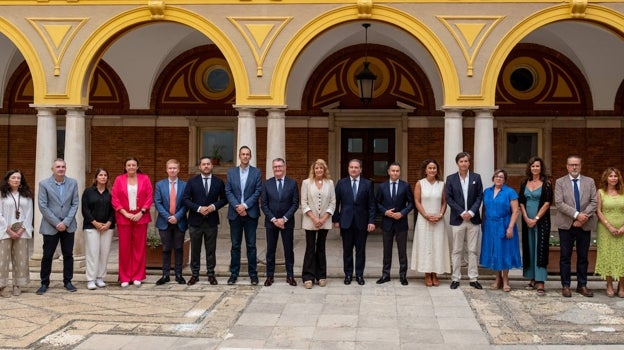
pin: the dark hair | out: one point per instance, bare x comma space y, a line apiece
532, 160
244, 147
424, 168
23, 189
97, 172
393, 163
461, 155
205, 157
129, 158
497, 171
605, 177
357, 161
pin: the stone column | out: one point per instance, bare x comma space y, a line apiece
484, 151
45, 155
276, 138
246, 135
453, 139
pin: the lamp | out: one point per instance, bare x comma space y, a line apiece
365, 78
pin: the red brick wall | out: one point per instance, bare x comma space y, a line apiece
18, 150
422, 144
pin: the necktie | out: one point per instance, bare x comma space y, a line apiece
279, 187
354, 188
172, 199
206, 185
394, 190
577, 195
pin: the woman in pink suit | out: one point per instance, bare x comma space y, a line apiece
132, 199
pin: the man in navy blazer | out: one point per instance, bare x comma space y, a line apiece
395, 200
464, 194
58, 203
204, 196
355, 215
171, 221
280, 200
242, 189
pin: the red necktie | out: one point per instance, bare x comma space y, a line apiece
172, 199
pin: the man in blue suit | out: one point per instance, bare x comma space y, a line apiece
204, 195
243, 188
355, 215
464, 194
58, 204
171, 221
280, 200
394, 200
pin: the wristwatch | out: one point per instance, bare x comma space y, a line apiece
143, 211
536, 217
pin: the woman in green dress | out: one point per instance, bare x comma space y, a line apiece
610, 261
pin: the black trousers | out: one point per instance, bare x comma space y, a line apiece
50, 242
208, 234
401, 239
272, 234
353, 238
567, 239
315, 258
172, 239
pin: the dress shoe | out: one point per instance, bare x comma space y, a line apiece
254, 280
403, 280
70, 287
383, 280
565, 291
584, 291
232, 280
213, 280
291, 280
163, 280
42, 289
360, 280
268, 282
193, 280
476, 285
348, 279
454, 284
180, 280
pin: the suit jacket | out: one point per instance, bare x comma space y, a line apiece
161, 202
403, 202
252, 190
564, 199
54, 209
360, 211
455, 197
195, 197
119, 199
318, 202
276, 206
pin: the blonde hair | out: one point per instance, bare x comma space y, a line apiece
326, 174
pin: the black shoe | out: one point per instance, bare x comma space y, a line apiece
291, 281
232, 280
42, 289
360, 280
70, 287
403, 280
383, 279
476, 285
269, 281
348, 279
180, 280
254, 280
213, 281
163, 280
455, 284
193, 280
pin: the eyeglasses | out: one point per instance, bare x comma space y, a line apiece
574, 165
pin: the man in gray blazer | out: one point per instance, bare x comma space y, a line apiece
58, 204
575, 197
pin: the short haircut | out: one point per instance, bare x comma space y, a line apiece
461, 155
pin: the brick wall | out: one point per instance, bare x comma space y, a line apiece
422, 144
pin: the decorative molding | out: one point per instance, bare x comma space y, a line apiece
470, 32
157, 9
578, 8
57, 34
365, 8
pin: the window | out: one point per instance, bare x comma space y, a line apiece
219, 145
520, 145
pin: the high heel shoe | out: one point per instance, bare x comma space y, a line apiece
496, 285
434, 279
428, 281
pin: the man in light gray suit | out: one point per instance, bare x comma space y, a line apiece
58, 204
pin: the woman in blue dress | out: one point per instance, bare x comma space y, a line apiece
500, 245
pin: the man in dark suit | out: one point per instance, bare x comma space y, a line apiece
394, 200
355, 215
58, 204
464, 194
576, 200
204, 195
243, 188
280, 200
171, 221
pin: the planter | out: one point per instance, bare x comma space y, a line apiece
553, 260
153, 256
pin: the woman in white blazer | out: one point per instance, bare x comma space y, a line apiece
318, 201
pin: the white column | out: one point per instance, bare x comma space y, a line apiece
276, 138
484, 145
246, 135
45, 155
75, 159
453, 139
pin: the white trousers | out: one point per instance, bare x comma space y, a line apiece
469, 233
97, 248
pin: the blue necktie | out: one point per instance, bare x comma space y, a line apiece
279, 188
393, 190
354, 188
577, 195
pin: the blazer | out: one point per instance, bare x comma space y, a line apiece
195, 197
564, 199
54, 209
252, 190
360, 211
276, 206
161, 202
119, 199
455, 197
318, 202
403, 202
